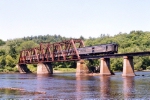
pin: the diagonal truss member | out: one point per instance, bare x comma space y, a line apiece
46, 52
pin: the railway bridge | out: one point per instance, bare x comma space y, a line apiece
75, 50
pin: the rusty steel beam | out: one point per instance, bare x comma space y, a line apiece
46, 52
145, 53
66, 51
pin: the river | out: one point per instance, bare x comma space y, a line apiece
69, 86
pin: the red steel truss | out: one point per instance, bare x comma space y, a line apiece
60, 51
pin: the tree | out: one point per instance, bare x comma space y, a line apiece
82, 38
1, 42
10, 61
27, 45
2, 52
2, 61
12, 51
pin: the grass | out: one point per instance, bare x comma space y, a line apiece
33, 69
65, 69
8, 69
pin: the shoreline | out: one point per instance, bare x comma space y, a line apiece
57, 71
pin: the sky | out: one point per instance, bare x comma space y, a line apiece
72, 18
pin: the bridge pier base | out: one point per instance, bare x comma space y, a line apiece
81, 68
105, 66
23, 68
128, 67
44, 68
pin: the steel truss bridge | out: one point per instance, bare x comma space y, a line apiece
64, 51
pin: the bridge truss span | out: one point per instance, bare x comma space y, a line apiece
47, 52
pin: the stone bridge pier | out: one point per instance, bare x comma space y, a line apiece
105, 66
47, 68
23, 68
44, 68
81, 69
128, 67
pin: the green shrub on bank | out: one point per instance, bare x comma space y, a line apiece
1, 70
9, 69
15, 69
32, 68
65, 69
148, 68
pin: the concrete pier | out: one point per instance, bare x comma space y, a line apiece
105, 66
44, 68
128, 67
81, 68
23, 68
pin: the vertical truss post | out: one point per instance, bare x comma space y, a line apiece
60, 51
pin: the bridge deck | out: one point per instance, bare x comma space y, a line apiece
146, 53
71, 50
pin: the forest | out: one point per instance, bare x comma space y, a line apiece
135, 41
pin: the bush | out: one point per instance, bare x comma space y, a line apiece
148, 68
65, 69
32, 68
8, 69
5, 70
55, 68
15, 69
1, 70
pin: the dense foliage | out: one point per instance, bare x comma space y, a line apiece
135, 41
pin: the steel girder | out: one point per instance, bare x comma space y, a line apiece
46, 52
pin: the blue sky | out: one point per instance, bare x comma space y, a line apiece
72, 18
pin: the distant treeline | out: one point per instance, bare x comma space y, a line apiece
135, 41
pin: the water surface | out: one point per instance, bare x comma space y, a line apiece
70, 86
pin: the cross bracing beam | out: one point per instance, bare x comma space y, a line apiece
69, 50
46, 52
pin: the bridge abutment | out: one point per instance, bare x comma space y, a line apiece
23, 68
44, 68
105, 66
81, 68
128, 67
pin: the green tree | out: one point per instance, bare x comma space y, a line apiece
2, 52
27, 45
12, 51
1, 42
2, 61
10, 61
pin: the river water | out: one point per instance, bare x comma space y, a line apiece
69, 86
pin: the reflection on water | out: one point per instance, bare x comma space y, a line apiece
87, 87
70, 86
105, 87
128, 87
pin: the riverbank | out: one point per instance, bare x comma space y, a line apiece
59, 70
55, 70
